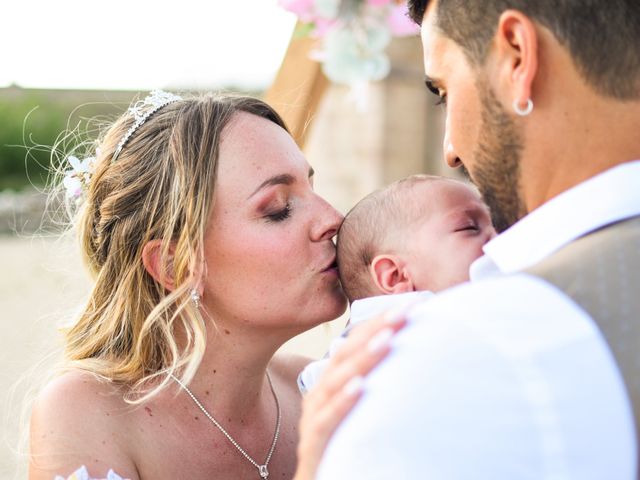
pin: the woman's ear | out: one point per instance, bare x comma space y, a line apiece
390, 275
161, 270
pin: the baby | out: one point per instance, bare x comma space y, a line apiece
409, 240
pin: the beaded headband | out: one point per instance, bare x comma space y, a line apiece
77, 179
142, 110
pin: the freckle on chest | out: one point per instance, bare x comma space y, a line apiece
148, 410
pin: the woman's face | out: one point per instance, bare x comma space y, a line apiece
269, 246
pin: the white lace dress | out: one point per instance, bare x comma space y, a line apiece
83, 474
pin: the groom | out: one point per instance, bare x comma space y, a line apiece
532, 371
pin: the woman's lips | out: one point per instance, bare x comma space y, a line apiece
332, 268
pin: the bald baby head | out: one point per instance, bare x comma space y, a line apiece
389, 241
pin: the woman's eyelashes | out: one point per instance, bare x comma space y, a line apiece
280, 215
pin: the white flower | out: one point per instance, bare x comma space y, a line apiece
356, 55
73, 186
81, 166
78, 177
327, 8
354, 35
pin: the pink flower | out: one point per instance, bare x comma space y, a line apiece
354, 35
400, 24
302, 8
323, 26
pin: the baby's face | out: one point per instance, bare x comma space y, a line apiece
456, 225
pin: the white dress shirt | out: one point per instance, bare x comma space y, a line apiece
504, 377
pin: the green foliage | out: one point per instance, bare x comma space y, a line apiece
30, 123
15, 165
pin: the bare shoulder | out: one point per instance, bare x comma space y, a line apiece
289, 366
78, 420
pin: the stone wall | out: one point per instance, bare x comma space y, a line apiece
398, 133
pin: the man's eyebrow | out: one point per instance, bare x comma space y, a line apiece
281, 179
431, 85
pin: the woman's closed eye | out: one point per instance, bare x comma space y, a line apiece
279, 215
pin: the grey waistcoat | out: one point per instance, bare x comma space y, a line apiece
601, 273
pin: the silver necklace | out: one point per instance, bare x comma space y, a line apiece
262, 469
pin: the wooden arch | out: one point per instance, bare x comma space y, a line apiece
298, 87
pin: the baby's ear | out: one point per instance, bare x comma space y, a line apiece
390, 274
160, 269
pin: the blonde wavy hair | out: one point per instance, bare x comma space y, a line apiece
160, 188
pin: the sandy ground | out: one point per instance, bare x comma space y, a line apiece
41, 285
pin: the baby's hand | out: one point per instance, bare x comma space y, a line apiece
340, 387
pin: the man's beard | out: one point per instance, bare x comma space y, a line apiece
497, 162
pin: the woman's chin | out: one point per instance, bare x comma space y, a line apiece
338, 302
334, 308
338, 305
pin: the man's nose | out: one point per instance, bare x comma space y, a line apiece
450, 155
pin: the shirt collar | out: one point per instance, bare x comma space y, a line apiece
606, 198
369, 307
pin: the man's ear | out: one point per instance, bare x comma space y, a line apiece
390, 275
516, 55
153, 263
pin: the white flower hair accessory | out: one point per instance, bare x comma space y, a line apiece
142, 110
76, 179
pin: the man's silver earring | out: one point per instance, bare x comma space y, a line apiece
195, 297
523, 112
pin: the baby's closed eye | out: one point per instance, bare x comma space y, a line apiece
469, 227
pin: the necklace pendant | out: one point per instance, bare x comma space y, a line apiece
264, 473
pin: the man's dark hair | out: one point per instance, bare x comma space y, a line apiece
602, 36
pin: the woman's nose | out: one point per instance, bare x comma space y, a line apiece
329, 223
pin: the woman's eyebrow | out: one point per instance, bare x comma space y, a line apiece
281, 179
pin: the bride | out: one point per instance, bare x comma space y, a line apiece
210, 249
